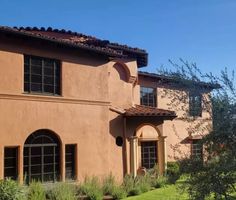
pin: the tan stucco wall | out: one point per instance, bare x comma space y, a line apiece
93, 87
79, 116
177, 130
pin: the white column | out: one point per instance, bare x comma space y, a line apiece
133, 155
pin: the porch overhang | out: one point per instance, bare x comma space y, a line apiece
140, 111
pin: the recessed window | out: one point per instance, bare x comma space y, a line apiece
195, 104
11, 162
149, 154
148, 96
42, 75
70, 161
197, 149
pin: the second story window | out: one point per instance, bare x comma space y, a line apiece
42, 75
148, 96
195, 104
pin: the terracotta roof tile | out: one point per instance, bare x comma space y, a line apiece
140, 110
165, 79
82, 41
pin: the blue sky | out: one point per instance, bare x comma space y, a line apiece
201, 31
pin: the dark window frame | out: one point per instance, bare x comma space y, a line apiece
42, 75
196, 149
148, 96
42, 157
149, 154
11, 162
195, 104
70, 165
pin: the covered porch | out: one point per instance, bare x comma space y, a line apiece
145, 138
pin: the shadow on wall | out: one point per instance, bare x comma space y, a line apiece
116, 126
55, 51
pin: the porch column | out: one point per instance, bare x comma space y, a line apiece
1, 162
63, 165
21, 164
133, 155
162, 154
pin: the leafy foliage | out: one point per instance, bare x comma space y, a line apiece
91, 187
10, 190
36, 191
137, 185
62, 191
216, 173
173, 172
119, 193
108, 184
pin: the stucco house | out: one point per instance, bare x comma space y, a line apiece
73, 105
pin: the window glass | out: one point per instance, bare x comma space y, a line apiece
195, 104
148, 96
197, 149
70, 161
41, 75
149, 154
42, 157
11, 163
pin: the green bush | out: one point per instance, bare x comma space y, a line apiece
91, 188
10, 190
138, 185
173, 172
128, 183
143, 183
160, 182
36, 191
62, 191
108, 184
119, 193
135, 191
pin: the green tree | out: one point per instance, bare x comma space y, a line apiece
216, 173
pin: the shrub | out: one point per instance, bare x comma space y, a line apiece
143, 183
173, 172
128, 183
10, 190
36, 191
91, 188
135, 186
108, 184
62, 191
160, 182
119, 193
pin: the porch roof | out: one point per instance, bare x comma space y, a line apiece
146, 111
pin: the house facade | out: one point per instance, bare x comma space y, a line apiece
73, 105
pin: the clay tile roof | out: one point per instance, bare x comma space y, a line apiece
168, 78
74, 39
140, 110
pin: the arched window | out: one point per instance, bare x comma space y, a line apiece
42, 157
